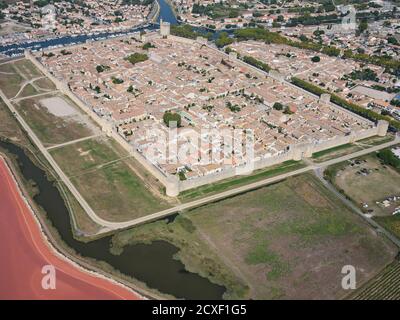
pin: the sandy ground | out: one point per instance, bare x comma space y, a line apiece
58, 107
24, 251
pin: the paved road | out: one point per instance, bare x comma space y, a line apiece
109, 225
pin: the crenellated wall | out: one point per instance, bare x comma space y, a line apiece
171, 182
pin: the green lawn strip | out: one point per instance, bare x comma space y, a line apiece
376, 140
328, 151
241, 180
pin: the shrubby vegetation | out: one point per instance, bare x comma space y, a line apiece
148, 45
256, 63
172, 117
138, 2
365, 74
315, 59
223, 40
187, 31
101, 68
313, 20
389, 158
137, 57
216, 11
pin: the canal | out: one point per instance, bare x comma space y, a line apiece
152, 264
166, 13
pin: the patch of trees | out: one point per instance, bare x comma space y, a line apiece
102, 68
233, 107
395, 102
148, 45
363, 26
330, 51
186, 31
48, 55
315, 59
137, 2
308, 20
172, 117
116, 80
389, 158
256, 63
65, 52
223, 40
392, 40
215, 11
137, 57
365, 74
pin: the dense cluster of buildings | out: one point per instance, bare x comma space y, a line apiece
381, 37
70, 17
206, 88
343, 77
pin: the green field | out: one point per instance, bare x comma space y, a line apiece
10, 80
45, 84
284, 241
105, 175
115, 193
27, 69
27, 91
87, 154
9, 128
15, 74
